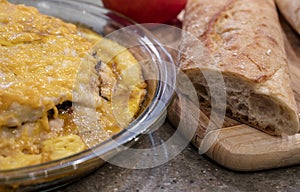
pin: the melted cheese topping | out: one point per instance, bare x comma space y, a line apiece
44, 61
39, 56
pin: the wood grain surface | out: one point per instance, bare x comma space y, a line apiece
238, 146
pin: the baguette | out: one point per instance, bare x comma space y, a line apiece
245, 41
291, 11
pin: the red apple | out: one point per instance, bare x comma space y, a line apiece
147, 11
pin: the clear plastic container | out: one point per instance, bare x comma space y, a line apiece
161, 80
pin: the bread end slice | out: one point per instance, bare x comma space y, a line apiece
243, 41
260, 105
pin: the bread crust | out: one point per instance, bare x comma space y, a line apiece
291, 11
244, 40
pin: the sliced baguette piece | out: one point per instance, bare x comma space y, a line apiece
245, 41
291, 11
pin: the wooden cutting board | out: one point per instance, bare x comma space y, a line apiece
243, 148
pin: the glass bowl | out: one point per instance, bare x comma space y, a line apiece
158, 70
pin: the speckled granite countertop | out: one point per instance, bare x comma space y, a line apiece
188, 171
